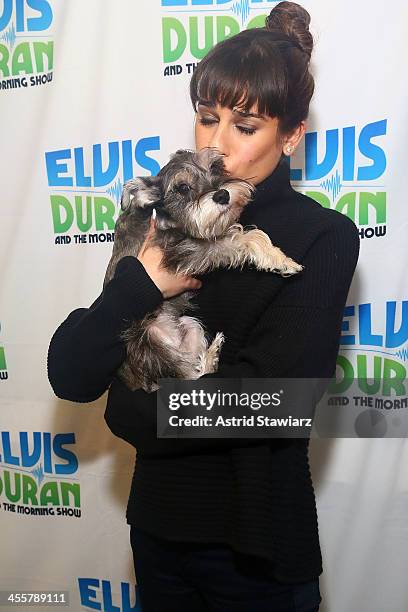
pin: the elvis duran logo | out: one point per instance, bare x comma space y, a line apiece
373, 347
25, 61
98, 594
87, 183
341, 170
37, 474
190, 28
3, 364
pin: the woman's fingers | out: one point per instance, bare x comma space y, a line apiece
169, 283
189, 282
193, 283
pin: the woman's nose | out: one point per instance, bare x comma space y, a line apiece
219, 139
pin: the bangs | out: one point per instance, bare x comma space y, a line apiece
230, 77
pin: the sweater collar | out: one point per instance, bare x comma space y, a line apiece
274, 189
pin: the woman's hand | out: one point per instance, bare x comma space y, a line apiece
169, 283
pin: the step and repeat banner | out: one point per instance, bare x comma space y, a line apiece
93, 93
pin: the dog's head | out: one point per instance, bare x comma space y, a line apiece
192, 192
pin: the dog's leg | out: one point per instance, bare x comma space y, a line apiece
204, 358
255, 247
153, 351
213, 352
195, 345
236, 248
130, 233
194, 341
208, 360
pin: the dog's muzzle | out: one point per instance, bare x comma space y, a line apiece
221, 196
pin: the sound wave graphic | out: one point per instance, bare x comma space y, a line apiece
9, 36
332, 184
242, 9
402, 354
115, 191
39, 474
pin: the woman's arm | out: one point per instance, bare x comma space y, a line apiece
297, 336
85, 351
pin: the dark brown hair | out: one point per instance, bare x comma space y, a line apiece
266, 66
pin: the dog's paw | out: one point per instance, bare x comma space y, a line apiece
218, 340
290, 267
215, 348
209, 360
280, 264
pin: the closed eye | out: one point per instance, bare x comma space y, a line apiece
241, 128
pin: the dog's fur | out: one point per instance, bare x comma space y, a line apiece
197, 208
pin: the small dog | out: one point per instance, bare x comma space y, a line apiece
197, 208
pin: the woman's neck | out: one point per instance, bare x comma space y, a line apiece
271, 191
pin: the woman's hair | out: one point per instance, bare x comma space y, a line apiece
266, 66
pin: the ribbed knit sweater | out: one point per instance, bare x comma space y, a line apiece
255, 495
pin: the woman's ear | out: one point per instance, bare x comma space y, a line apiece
142, 192
293, 139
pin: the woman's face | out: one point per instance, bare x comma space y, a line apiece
249, 142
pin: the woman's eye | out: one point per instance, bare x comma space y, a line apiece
183, 188
205, 121
241, 128
245, 130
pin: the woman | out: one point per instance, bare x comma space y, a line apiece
229, 524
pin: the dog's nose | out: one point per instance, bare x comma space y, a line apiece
221, 196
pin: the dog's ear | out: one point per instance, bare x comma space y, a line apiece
181, 155
142, 192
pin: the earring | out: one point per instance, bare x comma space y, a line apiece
288, 149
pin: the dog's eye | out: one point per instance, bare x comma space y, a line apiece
183, 188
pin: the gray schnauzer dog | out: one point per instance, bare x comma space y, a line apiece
197, 208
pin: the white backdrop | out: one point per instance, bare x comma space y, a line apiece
92, 93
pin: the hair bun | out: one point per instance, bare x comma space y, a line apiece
293, 21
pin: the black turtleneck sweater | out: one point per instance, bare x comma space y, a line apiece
255, 495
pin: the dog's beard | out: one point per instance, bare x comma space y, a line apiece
209, 220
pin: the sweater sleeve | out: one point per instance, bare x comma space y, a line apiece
85, 351
297, 336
